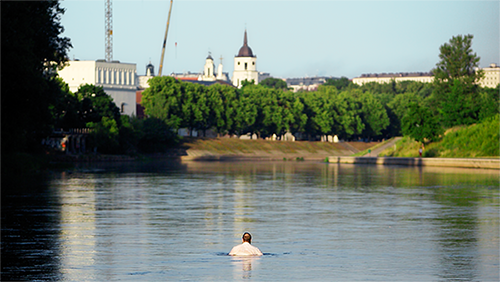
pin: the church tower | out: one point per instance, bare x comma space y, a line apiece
208, 70
245, 65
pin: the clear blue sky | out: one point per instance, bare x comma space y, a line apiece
290, 38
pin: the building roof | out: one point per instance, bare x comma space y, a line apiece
245, 50
400, 74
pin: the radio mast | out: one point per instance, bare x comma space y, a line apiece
108, 12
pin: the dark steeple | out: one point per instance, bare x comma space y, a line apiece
245, 51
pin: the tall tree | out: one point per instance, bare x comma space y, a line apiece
455, 80
457, 61
31, 50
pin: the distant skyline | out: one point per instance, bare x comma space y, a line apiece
290, 38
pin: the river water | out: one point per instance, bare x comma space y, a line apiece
167, 221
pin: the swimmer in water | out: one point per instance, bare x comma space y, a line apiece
245, 249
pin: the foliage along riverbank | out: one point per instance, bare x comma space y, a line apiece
480, 140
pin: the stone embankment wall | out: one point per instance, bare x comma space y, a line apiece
442, 162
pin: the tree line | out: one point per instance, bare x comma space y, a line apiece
264, 110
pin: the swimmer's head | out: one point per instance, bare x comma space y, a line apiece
247, 237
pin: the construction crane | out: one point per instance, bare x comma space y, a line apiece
165, 39
108, 12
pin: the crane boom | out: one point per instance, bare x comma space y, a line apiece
165, 39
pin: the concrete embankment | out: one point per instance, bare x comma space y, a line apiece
440, 162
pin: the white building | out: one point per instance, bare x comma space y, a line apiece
208, 70
388, 77
143, 79
491, 77
306, 83
117, 79
245, 65
209, 74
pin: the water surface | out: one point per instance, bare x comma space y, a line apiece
313, 221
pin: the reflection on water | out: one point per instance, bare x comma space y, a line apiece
243, 266
313, 221
30, 228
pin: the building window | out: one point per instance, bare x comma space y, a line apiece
246, 66
238, 63
253, 63
122, 107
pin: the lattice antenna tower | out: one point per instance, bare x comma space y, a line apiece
108, 12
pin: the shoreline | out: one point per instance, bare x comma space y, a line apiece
487, 163
478, 163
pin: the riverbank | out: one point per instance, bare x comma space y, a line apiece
487, 163
206, 149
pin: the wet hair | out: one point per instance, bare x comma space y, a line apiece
247, 237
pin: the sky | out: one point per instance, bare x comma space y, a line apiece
291, 39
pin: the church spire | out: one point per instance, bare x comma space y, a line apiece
245, 50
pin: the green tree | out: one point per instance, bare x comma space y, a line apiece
67, 109
457, 62
247, 82
340, 83
489, 101
32, 48
459, 106
96, 104
455, 82
98, 111
210, 109
164, 99
379, 88
421, 124
247, 112
193, 106
104, 136
320, 110
373, 115
349, 120
228, 112
299, 116
155, 135
398, 108
274, 83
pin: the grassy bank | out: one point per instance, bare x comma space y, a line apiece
474, 141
